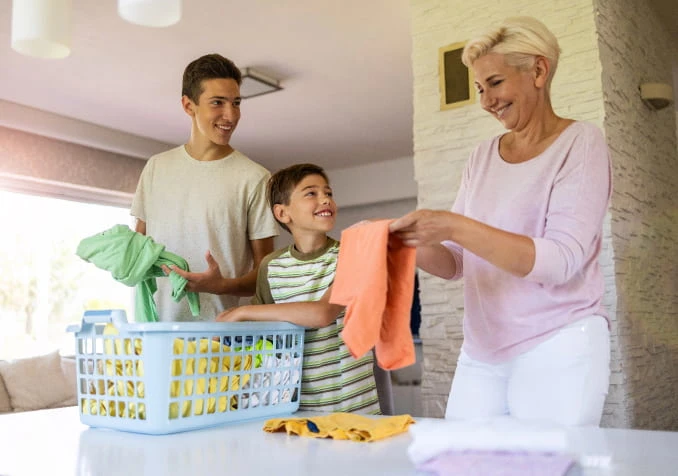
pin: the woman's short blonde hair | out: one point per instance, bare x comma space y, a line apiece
520, 40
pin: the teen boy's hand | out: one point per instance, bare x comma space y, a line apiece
210, 281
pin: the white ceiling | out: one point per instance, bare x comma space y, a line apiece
345, 66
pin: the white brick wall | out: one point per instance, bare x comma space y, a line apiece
443, 140
634, 48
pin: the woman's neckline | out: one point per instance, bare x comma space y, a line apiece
539, 151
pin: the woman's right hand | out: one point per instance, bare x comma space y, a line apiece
425, 227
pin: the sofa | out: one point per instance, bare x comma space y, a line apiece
45, 381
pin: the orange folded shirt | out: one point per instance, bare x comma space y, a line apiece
375, 281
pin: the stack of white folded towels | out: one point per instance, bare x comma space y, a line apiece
501, 446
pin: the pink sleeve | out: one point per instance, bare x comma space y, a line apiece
579, 200
459, 206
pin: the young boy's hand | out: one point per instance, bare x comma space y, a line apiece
229, 315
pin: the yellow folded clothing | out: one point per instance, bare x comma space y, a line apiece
342, 426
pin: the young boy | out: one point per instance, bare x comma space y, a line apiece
293, 285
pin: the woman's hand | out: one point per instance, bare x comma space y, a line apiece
428, 228
425, 227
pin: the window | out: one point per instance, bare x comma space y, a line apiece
44, 285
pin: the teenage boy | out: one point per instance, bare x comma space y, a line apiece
293, 285
206, 201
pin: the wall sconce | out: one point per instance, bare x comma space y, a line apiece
656, 95
255, 83
42, 28
155, 13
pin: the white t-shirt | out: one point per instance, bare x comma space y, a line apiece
191, 206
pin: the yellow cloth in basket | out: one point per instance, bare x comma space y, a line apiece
213, 384
133, 367
342, 426
119, 367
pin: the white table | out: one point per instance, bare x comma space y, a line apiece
54, 442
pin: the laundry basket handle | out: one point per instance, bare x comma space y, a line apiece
105, 316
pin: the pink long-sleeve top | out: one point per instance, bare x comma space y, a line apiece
559, 199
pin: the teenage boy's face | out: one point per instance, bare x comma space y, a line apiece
217, 112
312, 207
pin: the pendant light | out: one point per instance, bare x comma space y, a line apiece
156, 13
42, 28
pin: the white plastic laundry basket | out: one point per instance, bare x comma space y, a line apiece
160, 378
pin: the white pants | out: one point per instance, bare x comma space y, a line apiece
564, 380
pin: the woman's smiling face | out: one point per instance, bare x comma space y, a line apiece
506, 92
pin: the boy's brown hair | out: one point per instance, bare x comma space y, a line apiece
282, 183
212, 66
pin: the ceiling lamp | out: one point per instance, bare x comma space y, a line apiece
157, 13
41, 28
255, 83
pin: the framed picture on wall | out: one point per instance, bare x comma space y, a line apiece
456, 80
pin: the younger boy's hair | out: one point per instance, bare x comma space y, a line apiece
212, 66
282, 183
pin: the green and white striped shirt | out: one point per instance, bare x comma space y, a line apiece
332, 380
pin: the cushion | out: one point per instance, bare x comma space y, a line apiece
68, 370
39, 382
5, 405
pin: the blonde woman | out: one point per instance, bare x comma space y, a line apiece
525, 233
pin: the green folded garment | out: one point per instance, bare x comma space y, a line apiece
136, 260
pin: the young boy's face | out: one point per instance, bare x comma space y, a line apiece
311, 207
